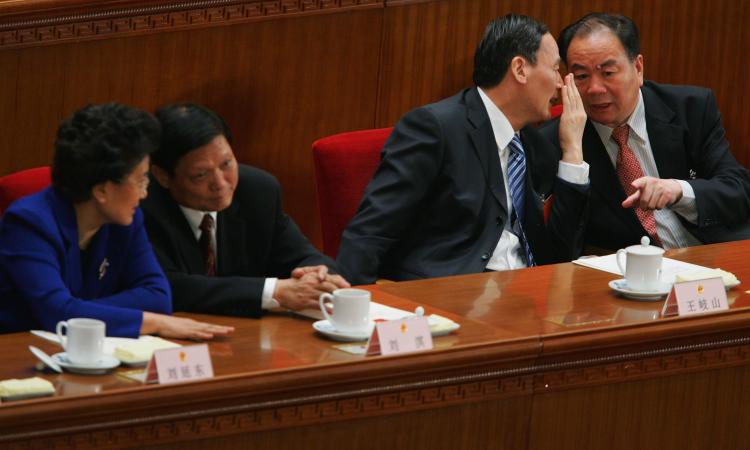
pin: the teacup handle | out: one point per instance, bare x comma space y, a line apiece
323, 309
63, 339
622, 251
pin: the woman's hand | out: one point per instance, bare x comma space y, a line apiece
180, 327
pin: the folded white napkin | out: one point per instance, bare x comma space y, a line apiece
26, 387
439, 323
727, 277
141, 350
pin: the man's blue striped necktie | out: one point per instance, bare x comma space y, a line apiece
516, 184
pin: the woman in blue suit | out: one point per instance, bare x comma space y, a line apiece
79, 248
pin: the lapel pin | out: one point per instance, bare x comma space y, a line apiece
103, 268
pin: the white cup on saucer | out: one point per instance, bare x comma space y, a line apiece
83, 341
642, 267
351, 309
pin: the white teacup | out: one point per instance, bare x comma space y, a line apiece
83, 341
351, 309
642, 267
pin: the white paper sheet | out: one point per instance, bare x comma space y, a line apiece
377, 311
669, 267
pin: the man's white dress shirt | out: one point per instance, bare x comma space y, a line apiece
509, 254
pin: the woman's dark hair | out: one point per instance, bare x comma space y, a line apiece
621, 26
101, 143
186, 127
505, 38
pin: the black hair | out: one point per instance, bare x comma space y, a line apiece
101, 143
505, 38
621, 26
186, 127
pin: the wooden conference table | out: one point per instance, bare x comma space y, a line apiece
546, 358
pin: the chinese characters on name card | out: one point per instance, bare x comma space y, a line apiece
174, 365
696, 297
411, 334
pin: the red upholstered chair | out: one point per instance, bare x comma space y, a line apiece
21, 184
556, 110
344, 164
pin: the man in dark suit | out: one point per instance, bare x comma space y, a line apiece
458, 192
218, 228
660, 162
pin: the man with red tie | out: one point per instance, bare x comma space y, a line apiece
218, 228
660, 162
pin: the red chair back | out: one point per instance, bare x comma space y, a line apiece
21, 184
344, 164
556, 110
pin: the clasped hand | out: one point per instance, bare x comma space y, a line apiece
305, 286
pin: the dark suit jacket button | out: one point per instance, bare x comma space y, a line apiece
499, 222
485, 257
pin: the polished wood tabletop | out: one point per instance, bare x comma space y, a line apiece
546, 301
520, 321
529, 305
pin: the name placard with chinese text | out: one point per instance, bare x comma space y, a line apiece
175, 365
411, 334
696, 297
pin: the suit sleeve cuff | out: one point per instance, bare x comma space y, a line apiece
686, 206
573, 173
267, 300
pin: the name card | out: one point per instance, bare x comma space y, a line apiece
175, 365
411, 334
696, 297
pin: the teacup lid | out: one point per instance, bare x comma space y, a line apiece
644, 248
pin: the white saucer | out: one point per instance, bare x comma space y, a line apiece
325, 328
104, 365
621, 287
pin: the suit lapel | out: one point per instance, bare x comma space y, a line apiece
604, 178
485, 146
84, 282
537, 183
230, 235
664, 137
175, 220
98, 253
68, 225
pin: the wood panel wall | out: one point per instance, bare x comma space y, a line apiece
286, 72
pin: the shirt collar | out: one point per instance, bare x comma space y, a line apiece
195, 217
501, 127
636, 122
